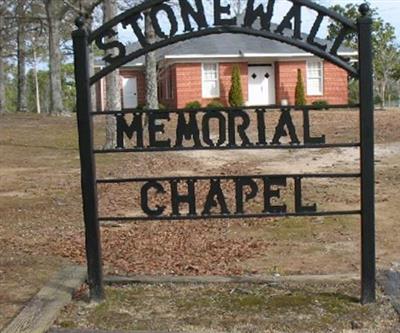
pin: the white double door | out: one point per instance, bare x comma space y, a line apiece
261, 84
129, 92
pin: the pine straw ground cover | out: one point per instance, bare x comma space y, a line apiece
182, 248
41, 225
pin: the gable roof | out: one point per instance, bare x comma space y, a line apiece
230, 45
240, 44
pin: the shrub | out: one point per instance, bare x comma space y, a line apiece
300, 96
215, 104
235, 92
193, 105
142, 106
354, 91
321, 103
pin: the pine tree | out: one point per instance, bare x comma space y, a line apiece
235, 92
300, 97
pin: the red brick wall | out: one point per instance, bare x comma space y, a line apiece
335, 82
336, 85
186, 80
140, 82
188, 83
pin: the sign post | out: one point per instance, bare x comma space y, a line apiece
88, 167
367, 157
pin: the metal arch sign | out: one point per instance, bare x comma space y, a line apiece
193, 130
192, 18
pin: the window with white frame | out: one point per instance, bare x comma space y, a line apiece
210, 80
315, 78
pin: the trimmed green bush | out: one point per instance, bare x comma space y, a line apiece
193, 105
215, 104
235, 92
321, 103
300, 96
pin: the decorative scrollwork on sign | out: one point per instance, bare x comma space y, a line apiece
194, 22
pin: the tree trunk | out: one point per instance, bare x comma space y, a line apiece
113, 91
55, 58
398, 94
89, 24
151, 68
2, 70
93, 95
21, 59
2, 84
35, 75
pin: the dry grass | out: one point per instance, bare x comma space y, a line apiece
232, 308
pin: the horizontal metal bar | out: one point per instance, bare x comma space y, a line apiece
302, 175
221, 216
282, 146
227, 109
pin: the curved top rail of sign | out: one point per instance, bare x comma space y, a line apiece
309, 45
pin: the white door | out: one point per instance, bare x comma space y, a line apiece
129, 92
261, 85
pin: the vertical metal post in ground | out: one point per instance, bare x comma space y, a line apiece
367, 156
88, 169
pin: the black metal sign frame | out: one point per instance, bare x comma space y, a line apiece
195, 25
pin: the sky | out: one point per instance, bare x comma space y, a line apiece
389, 10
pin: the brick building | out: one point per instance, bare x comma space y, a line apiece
200, 69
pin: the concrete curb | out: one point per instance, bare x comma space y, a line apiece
40, 312
115, 280
390, 282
